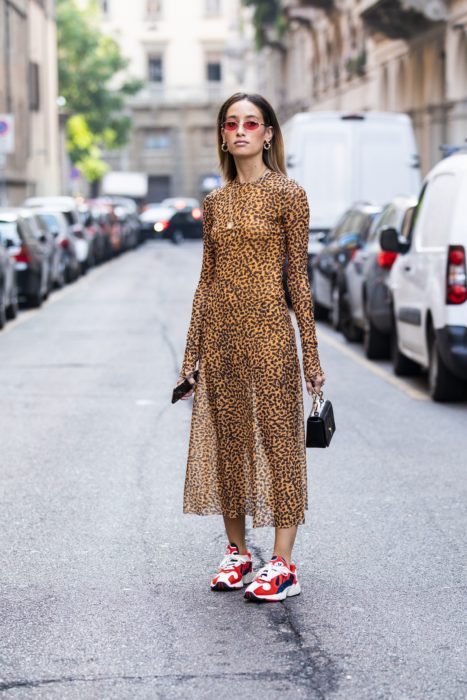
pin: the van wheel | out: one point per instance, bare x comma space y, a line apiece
2, 316
443, 384
377, 345
403, 366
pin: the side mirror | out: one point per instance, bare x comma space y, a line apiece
43, 238
390, 242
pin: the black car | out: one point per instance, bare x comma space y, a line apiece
328, 266
174, 220
366, 275
8, 286
28, 247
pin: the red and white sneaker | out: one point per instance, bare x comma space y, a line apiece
234, 570
275, 581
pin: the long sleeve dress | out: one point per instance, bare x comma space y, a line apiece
247, 443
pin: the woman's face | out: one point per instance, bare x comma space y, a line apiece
241, 140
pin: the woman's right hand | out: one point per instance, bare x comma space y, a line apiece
191, 392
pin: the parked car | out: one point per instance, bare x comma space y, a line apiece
428, 283
28, 247
173, 223
341, 158
54, 253
328, 266
58, 227
366, 280
130, 208
70, 209
8, 286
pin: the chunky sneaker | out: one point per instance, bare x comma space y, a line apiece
275, 581
234, 570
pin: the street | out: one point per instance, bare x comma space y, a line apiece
105, 583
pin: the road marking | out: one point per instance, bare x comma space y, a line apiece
400, 384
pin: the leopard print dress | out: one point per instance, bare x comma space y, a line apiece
247, 443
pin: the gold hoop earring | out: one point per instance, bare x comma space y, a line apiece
267, 145
226, 147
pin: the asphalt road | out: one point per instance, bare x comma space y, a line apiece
104, 584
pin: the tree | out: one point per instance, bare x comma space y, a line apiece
267, 13
88, 64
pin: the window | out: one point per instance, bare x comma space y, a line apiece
155, 69
213, 7
157, 140
434, 220
153, 9
214, 68
34, 87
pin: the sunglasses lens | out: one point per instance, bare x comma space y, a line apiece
231, 125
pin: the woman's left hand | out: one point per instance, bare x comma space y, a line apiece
315, 385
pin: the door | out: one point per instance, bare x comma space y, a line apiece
419, 272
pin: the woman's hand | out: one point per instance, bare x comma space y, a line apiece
191, 392
315, 385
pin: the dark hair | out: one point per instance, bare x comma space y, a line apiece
274, 157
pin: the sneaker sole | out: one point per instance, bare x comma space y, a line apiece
224, 586
277, 597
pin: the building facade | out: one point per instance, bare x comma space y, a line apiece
191, 56
28, 91
388, 55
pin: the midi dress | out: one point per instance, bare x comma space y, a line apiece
246, 451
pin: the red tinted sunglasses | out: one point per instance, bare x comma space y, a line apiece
248, 124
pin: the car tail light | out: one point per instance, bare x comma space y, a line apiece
23, 255
196, 213
353, 253
161, 226
386, 259
456, 282
65, 243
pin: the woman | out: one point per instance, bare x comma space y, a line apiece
247, 447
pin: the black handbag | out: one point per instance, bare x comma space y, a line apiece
320, 425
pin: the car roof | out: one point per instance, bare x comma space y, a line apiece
365, 207
13, 213
64, 203
456, 163
402, 201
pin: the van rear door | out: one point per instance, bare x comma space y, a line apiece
385, 166
325, 158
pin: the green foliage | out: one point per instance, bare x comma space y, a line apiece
88, 62
268, 13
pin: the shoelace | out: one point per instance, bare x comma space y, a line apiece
230, 561
271, 570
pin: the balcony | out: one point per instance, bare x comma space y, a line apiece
402, 19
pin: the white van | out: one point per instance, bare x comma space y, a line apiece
342, 158
428, 283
